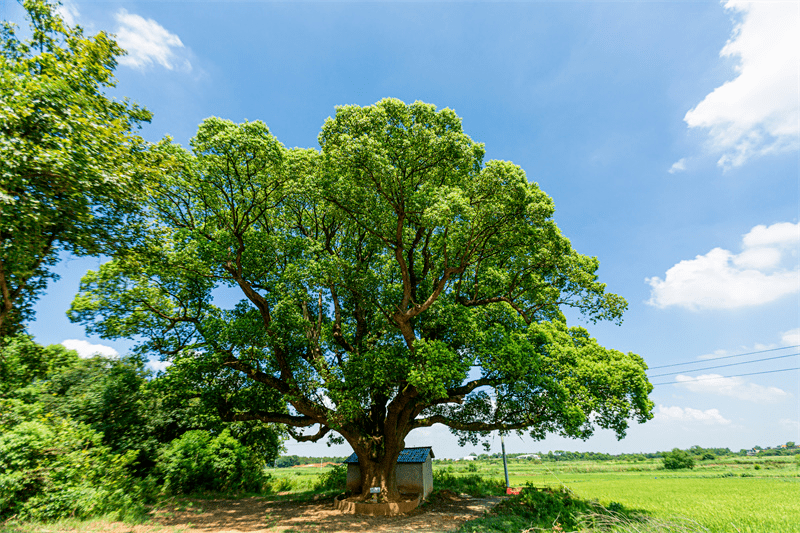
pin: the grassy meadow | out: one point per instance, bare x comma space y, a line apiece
725, 495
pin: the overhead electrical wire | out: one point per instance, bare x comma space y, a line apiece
723, 366
723, 377
724, 357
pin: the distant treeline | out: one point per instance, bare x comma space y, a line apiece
294, 460
697, 451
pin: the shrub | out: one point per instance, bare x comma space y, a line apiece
534, 509
334, 479
197, 462
677, 459
57, 468
282, 484
474, 484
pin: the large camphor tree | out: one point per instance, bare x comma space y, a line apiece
389, 281
68, 154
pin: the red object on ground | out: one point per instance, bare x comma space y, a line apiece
513, 492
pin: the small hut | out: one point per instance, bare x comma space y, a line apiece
414, 471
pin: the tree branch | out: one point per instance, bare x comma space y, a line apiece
469, 426
323, 430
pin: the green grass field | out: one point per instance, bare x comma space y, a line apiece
728, 495
725, 496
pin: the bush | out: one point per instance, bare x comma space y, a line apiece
57, 468
281, 484
474, 484
533, 509
677, 459
197, 462
334, 479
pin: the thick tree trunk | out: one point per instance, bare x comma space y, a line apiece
379, 472
379, 475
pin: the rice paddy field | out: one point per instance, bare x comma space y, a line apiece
727, 495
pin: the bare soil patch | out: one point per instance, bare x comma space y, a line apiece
445, 512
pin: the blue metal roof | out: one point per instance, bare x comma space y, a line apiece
408, 455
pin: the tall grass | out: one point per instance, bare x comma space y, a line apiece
475, 485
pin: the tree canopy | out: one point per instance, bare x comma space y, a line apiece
390, 280
68, 157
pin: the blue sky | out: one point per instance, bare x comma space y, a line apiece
668, 134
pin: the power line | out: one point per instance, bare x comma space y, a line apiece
735, 376
723, 366
725, 357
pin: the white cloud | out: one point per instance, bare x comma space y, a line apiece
148, 42
678, 166
758, 112
760, 274
788, 423
791, 337
734, 387
157, 365
86, 349
717, 354
679, 414
780, 234
69, 12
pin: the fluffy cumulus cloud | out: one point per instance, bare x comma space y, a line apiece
766, 269
791, 337
86, 349
758, 112
734, 387
148, 42
680, 414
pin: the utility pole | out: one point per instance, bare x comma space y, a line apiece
505, 463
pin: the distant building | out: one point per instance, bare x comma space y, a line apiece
469, 458
529, 456
414, 471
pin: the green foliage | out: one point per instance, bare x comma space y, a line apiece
81, 436
287, 461
548, 509
69, 162
334, 479
677, 459
111, 396
54, 468
473, 484
188, 395
198, 462
22, 362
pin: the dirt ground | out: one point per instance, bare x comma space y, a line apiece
446, 512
